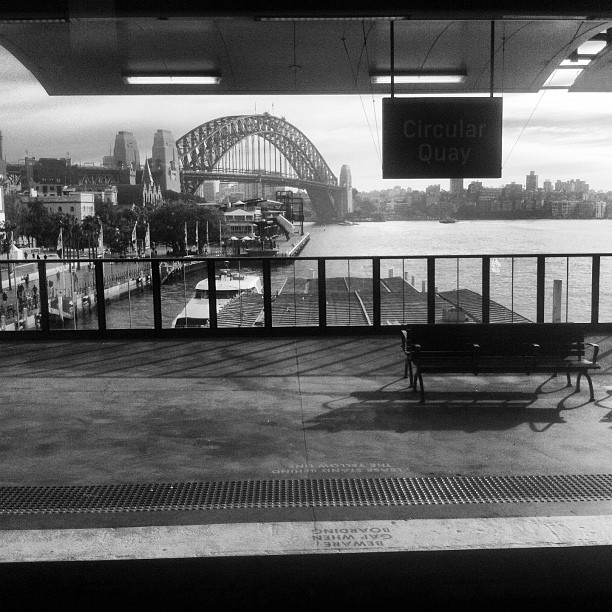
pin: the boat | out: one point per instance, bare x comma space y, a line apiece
448, 220
229, 286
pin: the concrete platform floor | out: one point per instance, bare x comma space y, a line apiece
87, 412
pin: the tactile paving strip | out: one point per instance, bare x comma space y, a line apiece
304, 493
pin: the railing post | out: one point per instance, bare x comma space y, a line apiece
212, 293
43, 296
322, 294
486, 290
595, 272
267, 288
431, 293
376, 312
100, 303
540, 287
156, 282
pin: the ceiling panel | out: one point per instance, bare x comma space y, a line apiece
87, 56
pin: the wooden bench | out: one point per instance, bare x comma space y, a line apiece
514, 348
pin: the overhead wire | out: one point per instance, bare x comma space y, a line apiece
567, 45
486, 67
355, 74
365, 44
434, 43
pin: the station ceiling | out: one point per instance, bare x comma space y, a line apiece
88, 48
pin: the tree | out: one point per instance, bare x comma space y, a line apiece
90, 228
32, 221
6, 231
168, 224
172, 196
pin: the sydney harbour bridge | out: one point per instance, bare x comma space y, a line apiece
261, 149
256, 149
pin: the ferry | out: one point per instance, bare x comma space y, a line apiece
448, 220
229, 285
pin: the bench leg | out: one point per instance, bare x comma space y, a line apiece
569, 380
408, 369
420, 377
588, 377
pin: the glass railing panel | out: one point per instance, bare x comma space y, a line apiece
605, 290
295, 293
179, 279
348, 292
128, 293
513, 290
403, 291
19, 297
567, 294
239, 293
71, 293
459, 290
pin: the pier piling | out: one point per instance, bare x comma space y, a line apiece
557, 291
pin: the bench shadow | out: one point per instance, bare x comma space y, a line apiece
401, 411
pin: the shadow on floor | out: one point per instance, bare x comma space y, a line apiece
401, 411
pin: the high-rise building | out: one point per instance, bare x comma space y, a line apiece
126, 151
165, 160
548, 187
208, 190
531, 181
347, 183
456, 186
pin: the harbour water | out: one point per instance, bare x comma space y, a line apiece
513, 279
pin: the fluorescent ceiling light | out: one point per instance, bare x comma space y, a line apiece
416, 77
171, 79
332, 18
547, 17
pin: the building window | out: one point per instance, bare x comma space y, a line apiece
59, 209
72, 209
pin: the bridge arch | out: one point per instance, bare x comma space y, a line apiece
202, 149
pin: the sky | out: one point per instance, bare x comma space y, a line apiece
559, 135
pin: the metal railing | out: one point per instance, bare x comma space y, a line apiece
145, 296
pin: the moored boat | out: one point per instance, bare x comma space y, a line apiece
228, 285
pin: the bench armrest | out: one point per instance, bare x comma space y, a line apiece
595, 348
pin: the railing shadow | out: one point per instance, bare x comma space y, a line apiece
401, 411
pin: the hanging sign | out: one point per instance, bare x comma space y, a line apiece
442, 137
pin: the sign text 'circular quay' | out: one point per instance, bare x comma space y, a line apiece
442, 138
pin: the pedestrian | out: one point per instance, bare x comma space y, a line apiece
4, 296
27, 280
57, 276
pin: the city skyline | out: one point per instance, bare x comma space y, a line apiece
558, 135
